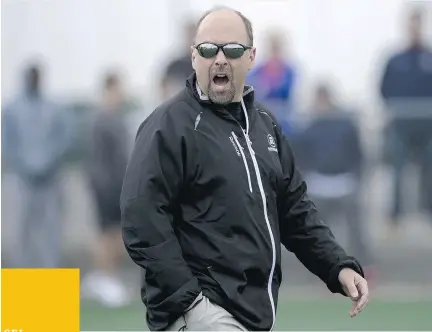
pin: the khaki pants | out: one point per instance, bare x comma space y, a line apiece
206, 316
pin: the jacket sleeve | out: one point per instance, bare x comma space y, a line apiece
9, 140
302, 232
151, 187
387, 81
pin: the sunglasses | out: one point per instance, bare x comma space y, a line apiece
231, 50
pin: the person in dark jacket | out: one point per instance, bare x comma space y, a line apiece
212, 191
406, 89
334, 168
108, 153
179, 68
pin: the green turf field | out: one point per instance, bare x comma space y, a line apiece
292, 315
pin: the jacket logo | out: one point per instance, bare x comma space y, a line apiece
234, 145
271, 143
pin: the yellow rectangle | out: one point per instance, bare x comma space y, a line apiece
40, 300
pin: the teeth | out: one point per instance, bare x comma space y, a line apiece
220, 75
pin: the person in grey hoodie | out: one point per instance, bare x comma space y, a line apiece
36, 135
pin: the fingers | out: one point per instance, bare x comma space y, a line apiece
361, 302
353, 307
356, 287
352, 291
364, 291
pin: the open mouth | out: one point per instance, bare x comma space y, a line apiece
220, 80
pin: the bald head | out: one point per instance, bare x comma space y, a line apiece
221, 73
221, 19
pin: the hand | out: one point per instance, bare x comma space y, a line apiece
356, 287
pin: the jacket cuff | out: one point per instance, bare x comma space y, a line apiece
333, 283
197, 300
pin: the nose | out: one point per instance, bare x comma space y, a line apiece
221, 60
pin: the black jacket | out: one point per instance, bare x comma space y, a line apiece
202, 211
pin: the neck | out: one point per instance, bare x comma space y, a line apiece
200, 91
237, 98
416, 44
239, 95
33, 92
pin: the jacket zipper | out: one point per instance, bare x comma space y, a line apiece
244, 160
197, 120
264, 201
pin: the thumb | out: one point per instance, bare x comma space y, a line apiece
352, 291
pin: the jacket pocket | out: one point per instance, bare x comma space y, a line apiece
248, 303
228, 288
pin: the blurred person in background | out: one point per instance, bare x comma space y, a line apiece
107, 160
274, 79
180, 68
331, 156
212, 191
36, 135
406, 88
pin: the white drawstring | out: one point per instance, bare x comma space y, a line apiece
246, 116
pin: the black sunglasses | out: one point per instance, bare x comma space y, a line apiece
231, 50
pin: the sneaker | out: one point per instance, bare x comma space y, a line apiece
107, 290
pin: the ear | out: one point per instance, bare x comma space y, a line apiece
193, 56
252, 54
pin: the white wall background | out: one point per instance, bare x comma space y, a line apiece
79, 38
